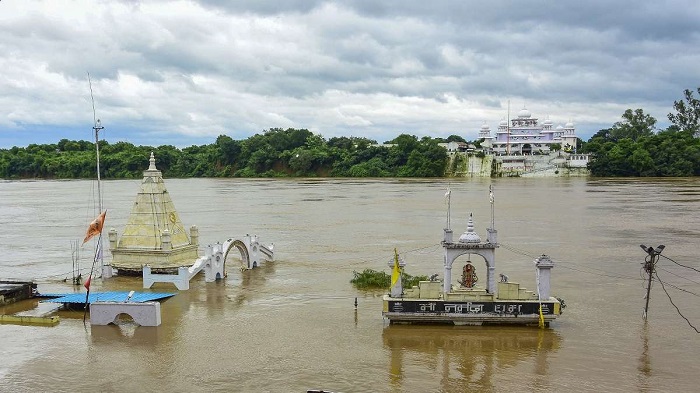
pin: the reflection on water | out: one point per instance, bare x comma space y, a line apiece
644, 366
468, 357
249, 282
124, 333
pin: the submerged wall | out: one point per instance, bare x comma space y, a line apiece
463, 164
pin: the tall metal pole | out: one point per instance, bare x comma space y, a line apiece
649, 266
508, 131
97, 128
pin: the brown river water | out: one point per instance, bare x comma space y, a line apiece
291, 325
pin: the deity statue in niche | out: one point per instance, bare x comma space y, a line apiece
469, 277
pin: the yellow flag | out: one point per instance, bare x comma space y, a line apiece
395, 273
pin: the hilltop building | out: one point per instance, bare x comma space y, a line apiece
526, 136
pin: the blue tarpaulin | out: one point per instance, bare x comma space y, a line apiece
138, 297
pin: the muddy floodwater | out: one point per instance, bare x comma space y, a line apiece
291, 325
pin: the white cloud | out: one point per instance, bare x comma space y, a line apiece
189, 71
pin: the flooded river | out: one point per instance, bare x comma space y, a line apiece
291, 325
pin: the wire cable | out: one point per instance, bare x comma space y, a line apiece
682, 290
681, 265
674, 304
679, 276
563, 264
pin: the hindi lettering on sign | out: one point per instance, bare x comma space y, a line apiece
468, 308
423, 307
508, 308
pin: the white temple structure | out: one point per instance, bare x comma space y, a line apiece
154, 234
525, 136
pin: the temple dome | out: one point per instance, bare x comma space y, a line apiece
485, 127
569, 125
503, 123
470, 236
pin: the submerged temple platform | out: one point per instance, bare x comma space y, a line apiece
154, 233
507, 302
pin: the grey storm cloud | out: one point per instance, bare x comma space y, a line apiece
187, 71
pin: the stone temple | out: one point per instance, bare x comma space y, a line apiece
154, 234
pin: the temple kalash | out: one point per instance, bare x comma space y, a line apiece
466, 303
154, 234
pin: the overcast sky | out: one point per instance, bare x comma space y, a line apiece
182, 73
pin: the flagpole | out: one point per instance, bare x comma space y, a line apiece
95, 228
87, 295
97, 127
508, 131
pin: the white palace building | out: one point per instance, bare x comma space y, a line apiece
525, 136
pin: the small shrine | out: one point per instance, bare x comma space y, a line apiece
505, 302
154, 234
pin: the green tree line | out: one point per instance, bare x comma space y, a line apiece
633, 146
274, 153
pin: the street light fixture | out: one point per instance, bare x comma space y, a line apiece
649, 265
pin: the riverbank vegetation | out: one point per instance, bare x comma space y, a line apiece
274, 153
373, 279
631, 147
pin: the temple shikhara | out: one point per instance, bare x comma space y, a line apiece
154, 234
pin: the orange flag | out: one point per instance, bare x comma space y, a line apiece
87, 283
95, 227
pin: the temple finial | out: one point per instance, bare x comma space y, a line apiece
152, 163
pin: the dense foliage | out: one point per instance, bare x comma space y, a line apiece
631, 147
276, 152
667, 153
373, 279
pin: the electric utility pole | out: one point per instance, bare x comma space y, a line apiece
649, 266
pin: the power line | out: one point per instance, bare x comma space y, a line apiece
679, 276
681, 289
681, 265
674, 304
563, 264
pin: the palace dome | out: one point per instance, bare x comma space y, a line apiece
524, 114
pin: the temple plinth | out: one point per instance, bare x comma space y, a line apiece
154, 234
